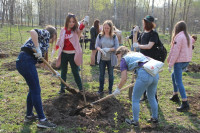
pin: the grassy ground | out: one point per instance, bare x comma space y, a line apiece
13, 91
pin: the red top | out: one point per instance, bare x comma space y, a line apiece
67, 44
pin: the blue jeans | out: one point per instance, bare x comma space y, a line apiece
102, 67
25, 65
144, 81
177, 78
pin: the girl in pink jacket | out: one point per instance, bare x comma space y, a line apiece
179, 57
70, 49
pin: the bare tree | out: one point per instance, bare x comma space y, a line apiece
173, 14
164, 17
4, 4
134, 11
188, 7
55, 13
40, 12
11, 11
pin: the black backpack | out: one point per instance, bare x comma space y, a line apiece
161, 51
101, 36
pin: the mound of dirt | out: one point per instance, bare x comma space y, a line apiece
3, 55
194, 68
194, 102
102, 115
10, 66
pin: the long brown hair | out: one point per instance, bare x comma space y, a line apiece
69, 16
149, 25
96, 25
52, 31
181, 26
110, 24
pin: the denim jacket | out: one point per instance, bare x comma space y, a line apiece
133, 58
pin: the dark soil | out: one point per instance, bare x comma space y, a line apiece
194, 102
3, 55
10, 66
102, 115
194, 68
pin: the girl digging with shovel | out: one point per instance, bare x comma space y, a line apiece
25, 65
144, 82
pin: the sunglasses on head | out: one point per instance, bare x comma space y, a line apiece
71, 15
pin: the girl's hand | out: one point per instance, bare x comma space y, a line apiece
39, 53
86, 20
103, 52
106, 49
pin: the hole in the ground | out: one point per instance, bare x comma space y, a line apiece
60, 111
194, 68
10, 66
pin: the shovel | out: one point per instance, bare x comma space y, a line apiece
73, 91
75, 112
133, 76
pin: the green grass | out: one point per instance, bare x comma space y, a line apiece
13, 90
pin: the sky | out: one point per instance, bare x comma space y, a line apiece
158, 3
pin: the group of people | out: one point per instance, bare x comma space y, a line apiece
105, 45
179, 57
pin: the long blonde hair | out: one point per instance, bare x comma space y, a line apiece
110, 24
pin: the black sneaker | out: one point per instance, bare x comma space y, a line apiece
175, 98
144, 97
184, 107
62, 91
46, 124
30, 118
132, 122
152, 120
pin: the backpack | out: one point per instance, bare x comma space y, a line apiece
161, 51
101, 36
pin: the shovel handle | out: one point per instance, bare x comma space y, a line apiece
111, 95
135, 39
54, 72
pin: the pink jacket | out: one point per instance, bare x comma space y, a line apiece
78, 58
180, 52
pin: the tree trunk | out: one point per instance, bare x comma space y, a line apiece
40, 11
55, 13
152, 8
184, 8
173, 14
188, 7
134, 12
164, 16
11, 11
21, 14
60, 14
3, 12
